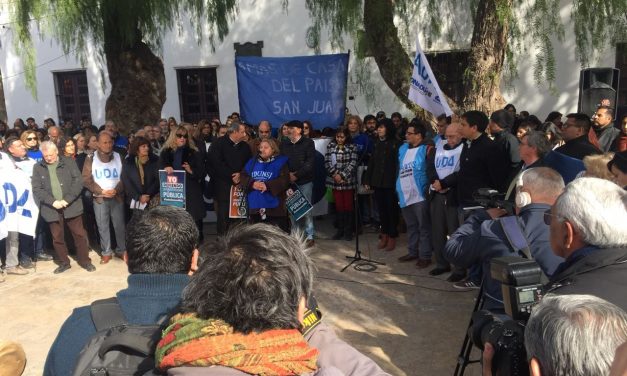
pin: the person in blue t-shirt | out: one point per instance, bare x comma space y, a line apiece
266, 178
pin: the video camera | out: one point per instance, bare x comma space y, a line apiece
490, 198
522, 289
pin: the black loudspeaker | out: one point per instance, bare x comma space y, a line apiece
596, 85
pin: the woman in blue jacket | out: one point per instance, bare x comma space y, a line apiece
265, 179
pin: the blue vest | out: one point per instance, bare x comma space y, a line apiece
37, 155
416, 170
263, 171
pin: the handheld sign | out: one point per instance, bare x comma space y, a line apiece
297, 204
237, 203
172, 188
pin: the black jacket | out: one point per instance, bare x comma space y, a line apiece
579, 148
71, 185
194, 202
481, 166
133, 188
300, 158
383, 164
602, 273
225, 159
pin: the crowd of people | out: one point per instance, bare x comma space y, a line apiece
378, 170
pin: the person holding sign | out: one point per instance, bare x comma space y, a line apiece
181, 153
227, 157
340, 161
265, 179
140, 174
300, 152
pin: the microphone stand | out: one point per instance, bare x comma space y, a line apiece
372, 264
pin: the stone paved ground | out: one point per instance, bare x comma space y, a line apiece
408, 322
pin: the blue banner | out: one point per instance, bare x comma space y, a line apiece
280, 89
172, 188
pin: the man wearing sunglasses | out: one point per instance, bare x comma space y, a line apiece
483, 236
589, 230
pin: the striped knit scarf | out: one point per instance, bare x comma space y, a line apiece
191, 341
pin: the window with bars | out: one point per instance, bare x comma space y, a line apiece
72, 94
198, 94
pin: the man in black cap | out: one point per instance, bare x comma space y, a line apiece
300, 152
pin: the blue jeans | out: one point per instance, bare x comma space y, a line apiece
306, 190
113, 210
418, 229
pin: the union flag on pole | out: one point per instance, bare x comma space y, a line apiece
424, 89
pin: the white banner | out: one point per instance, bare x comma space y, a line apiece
424, 89
18, 211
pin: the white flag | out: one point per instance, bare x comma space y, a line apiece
424, 89
18, 211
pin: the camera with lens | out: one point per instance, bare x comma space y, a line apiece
490, 198
522, 289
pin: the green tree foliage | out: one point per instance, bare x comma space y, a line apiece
597, 24
118, 24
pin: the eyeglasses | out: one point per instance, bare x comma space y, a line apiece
547, 217
31, 138
409, 133
179, 135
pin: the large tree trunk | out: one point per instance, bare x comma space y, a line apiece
394, 64
382, 39
487, 55
137, 78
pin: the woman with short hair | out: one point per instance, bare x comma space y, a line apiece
140, 174
69, 147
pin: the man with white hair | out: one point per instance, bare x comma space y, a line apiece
485, 234
57, 186
574, 335
589, 230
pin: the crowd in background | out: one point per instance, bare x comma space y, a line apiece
364, 158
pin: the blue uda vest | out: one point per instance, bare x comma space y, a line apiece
411, 181
263, 171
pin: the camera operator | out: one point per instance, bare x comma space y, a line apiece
589, 230
575, 335
483, 236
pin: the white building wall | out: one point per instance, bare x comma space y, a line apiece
283, 34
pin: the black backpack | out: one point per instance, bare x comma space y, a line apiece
117, 347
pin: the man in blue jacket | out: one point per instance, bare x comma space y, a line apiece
482, 237
161, 252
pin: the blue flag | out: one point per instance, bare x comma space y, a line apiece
280, 89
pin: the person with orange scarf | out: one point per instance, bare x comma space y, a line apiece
245, 312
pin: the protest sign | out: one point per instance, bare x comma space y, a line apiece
172, 188
279, 89
237, 203
297, 204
